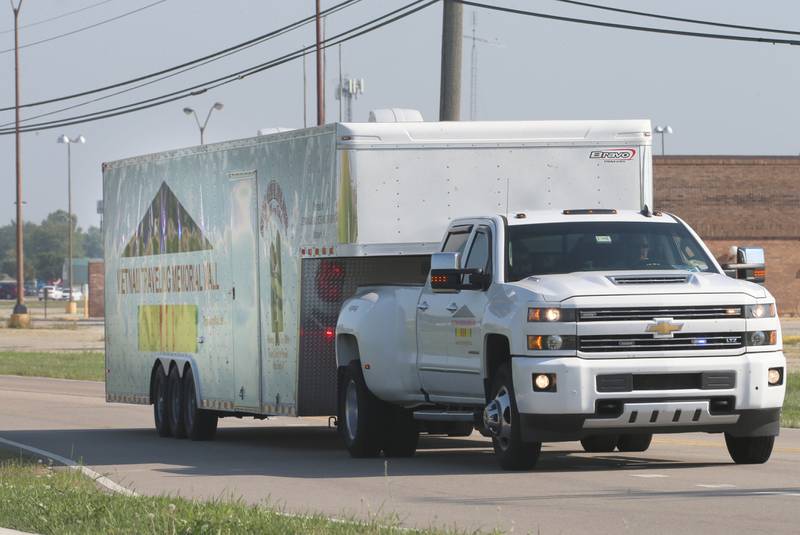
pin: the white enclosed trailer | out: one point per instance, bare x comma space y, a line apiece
230, 261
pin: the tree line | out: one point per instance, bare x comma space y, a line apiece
46, 246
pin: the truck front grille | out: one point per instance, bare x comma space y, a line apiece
649, 313
641, 342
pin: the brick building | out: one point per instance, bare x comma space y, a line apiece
740, 200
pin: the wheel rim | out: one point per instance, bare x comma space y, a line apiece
351, 410
503, 436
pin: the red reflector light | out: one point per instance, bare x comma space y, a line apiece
330, 333
760, 273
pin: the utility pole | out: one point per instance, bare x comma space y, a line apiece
320, 76
452, 37
20, 317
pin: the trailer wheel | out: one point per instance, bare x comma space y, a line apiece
631, 443
200, 424
502, 418
402, 436
749, 450
176, 403
599, 443
161, 403
362, 415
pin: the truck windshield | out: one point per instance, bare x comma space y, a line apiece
551, 248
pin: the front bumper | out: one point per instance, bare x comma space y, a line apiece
750, 407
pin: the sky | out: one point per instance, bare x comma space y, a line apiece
720, 97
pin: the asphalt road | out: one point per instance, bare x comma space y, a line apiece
684, 483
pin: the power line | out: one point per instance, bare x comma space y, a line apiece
242, 45
649, 29
95, 25
275, 33
362, 29
57, 17
679, 19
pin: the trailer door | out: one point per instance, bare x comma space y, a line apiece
244, 292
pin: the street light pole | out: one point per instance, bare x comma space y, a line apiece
661, 130
202, 127
19, 308
66, 140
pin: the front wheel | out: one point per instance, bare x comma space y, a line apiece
361, 415
749, 450
634, 443
599, 443
502, 419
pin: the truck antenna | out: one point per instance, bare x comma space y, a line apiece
646, 211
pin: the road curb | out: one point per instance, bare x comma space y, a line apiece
4, 531
69, 463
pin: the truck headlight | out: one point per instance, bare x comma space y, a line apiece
763, 310
551, 314
550, 342
762, 338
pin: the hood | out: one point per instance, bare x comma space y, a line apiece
616, 283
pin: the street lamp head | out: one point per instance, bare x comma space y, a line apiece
62, 139
188, 111
79, 139
659, 129
668, 129
218, 105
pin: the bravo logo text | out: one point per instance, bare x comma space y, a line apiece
613, 155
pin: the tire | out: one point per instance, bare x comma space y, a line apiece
199, 424
599, 443
511, 451
402, 435
633, 443
161, 403
749, 450
362, 416
176, 404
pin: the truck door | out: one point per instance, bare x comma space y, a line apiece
466, 337
434, 317
244, 292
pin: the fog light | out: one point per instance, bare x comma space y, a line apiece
544, 382
775, 376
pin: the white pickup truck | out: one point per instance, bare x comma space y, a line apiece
601, 325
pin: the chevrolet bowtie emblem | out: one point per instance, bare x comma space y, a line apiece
664, 327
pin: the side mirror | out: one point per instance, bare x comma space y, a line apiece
445, 272
749, 264
448, 277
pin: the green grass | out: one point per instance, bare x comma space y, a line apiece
37, 498
791, 405
65, 365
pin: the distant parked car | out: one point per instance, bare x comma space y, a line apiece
77, 295
53, 292
8, 290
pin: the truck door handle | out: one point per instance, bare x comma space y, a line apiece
452, 307
423, 306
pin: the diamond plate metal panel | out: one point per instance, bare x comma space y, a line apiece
326, 283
